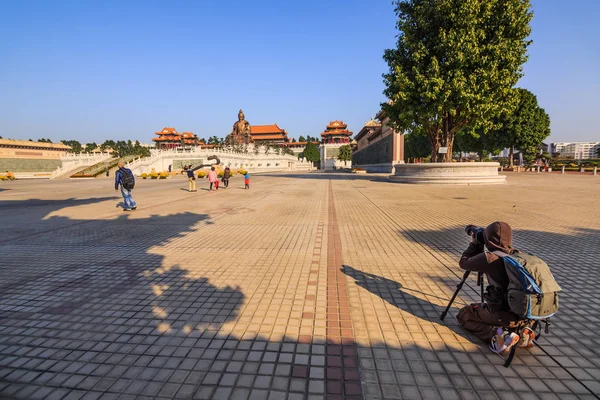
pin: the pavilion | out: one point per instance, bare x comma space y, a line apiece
336, 132
169, 138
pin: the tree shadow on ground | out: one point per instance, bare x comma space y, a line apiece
94, 311
455, 241
395, 294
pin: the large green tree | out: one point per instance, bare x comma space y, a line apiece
345, 153
454, 66
524, 128
475, 141
416, 145
311, 152
75, 145
89, 147
107, 144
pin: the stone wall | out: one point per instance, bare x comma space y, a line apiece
377, 153
179, 164
28, 165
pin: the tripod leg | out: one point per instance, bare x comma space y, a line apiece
458, 287
480, 283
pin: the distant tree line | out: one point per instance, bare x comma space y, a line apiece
121, 148
308, 139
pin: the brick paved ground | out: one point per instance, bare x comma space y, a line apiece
305, 287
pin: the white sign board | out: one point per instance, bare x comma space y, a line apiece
443, 150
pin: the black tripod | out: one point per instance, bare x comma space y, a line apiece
459, 286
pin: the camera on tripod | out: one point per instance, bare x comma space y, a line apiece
474, 230
477, 232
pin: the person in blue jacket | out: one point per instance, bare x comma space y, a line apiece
124, 178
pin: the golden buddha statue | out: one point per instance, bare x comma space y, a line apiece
241, 131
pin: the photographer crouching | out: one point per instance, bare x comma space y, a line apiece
492, 321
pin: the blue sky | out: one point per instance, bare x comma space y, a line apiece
91, 70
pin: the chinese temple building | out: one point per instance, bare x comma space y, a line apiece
378, 146
369, 133
273, 134
23, 156
169, 138
336, 132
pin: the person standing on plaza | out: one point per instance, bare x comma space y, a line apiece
124, 178
247, 180
226, 176
213, 179
191, 178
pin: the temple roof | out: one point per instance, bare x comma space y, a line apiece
167, 131
262, 129
372, 123
42, 145
336, 125
336, 128
370, 126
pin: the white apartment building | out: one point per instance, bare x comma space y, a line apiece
576, 150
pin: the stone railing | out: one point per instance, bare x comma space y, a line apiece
160, 160
201, 152
75, 161
84, 156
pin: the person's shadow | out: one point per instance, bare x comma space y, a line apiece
393, 293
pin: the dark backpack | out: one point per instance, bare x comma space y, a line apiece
127, 179
532, 291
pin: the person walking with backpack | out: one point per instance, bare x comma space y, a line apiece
124, 178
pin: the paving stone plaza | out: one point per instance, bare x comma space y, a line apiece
307, 286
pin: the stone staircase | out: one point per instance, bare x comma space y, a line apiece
100, 168
72, 163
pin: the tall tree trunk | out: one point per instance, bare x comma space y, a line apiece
447, 138
435, 144
449, 145
511, 156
